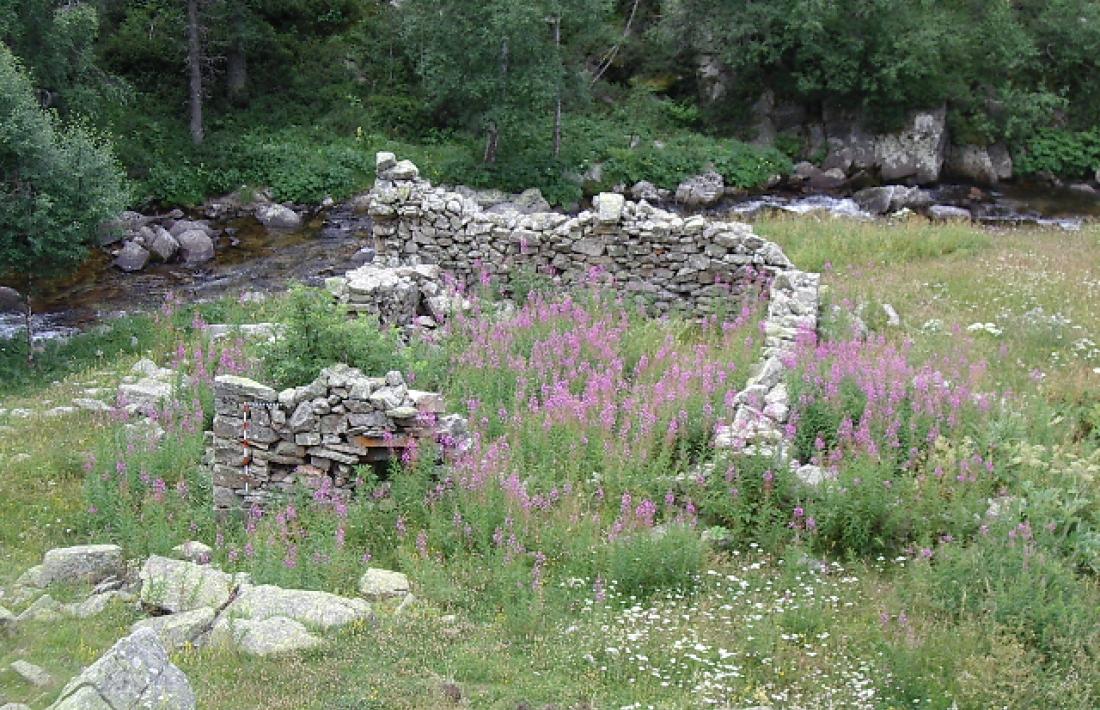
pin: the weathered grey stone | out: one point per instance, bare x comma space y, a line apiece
11, 301
319, 610
609, 207
97, 604
377, 584
134, 673
946, 213
133, 257
702, 190
35, 675
163, 245
193, 551
244, 388
276, 216
7, 621
196, 247
178, 630
88, 564
263, 637
175, 585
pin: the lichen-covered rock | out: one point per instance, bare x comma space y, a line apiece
134, 673
178, 630
162, 245
175, 586
133, 257
195, 246
377, 584
319, 610
271, 636
193, 551
702, 190
35, 675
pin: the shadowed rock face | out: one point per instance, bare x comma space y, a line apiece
11, 301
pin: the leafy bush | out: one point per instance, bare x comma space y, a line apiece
684, 156
1072, 155
752, 500
319, 333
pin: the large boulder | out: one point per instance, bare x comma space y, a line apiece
276, 216
195, 246
263, 637
162, 244
915, 153
175, 586
134, 673
178, 630
133, 257
947, 213
11, 301
377, 584
187, 225
82, 564
891, 198
702, 190
319, 610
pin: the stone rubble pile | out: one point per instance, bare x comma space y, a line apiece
190, 603
316, 434
650, 255
400, 295
762, 409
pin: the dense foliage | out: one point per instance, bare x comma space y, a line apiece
298, 93
56, 184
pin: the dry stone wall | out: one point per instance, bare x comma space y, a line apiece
265, 443
666, 260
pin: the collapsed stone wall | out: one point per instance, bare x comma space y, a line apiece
265, 443
666, 260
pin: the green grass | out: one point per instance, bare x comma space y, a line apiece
956, 631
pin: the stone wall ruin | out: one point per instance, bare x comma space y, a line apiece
265, 443
663, 259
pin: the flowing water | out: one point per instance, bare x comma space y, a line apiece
249, 259
252, 259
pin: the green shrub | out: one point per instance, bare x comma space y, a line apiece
319, 333
652, 561
1064, 153
751, 499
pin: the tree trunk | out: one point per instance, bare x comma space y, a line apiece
194, 63
557, 102
236, 71
29, 328
492, 136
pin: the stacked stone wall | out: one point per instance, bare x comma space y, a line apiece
668, 261
265, 443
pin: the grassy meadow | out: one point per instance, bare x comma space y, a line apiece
591, 549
